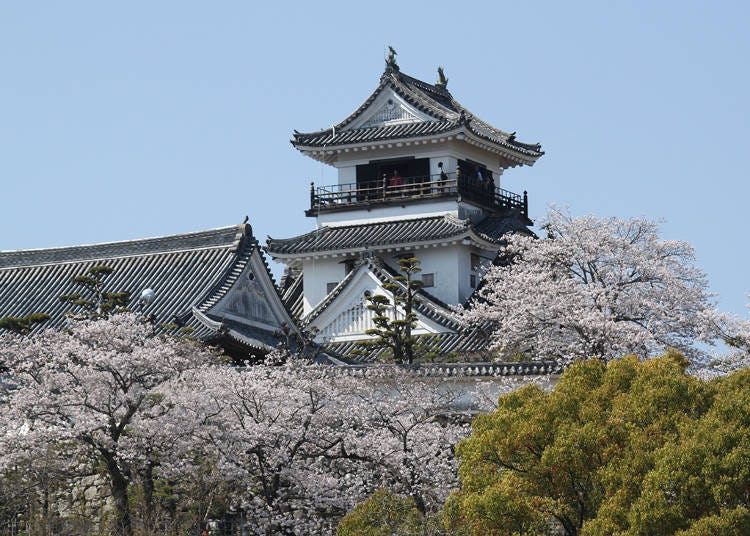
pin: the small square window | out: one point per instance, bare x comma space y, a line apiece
330, 287
428, 280
473, 281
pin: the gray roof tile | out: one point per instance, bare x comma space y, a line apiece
188, 272
405, 231
449, 115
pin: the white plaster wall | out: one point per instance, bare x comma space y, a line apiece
447, 152
390, 212
317, 274
451, 265
443, 261
347, 174
463, 259
450, 162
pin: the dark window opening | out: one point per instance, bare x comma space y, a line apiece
428, 280
330, 287
476, 262
476, 180
410, 170
473, 281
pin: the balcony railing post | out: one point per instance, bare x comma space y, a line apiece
525, 204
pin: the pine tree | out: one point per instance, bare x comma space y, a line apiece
394, 316
93, 300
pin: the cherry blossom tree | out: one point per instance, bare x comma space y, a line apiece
593, 287
291, 445
735, 333
411, 434
307, 442
93, 391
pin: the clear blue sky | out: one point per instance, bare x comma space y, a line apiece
151, 118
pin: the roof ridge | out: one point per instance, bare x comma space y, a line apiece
331, 296
116, 242
118, 249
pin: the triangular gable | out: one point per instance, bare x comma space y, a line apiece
253, 300
388, 108
345, 317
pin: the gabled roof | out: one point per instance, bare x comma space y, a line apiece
445, 116
425, 303
371, 236
457, 337
190, 274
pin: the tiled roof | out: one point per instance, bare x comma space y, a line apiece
189, 273
291, 291
494, 227
437, 102
466, 342
378, 133
225, 236
359, 237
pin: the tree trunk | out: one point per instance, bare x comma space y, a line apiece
148, 498
119, 485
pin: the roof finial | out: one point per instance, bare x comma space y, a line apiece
442, 82
390, 61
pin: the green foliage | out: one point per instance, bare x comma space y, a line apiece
394, 316
24, 324
383, 514
625, 448
93, 300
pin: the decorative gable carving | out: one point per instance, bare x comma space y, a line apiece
390, 113
246, 301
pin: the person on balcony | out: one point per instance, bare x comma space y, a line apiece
394, 184
489, 185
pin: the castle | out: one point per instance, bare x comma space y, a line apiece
418, 176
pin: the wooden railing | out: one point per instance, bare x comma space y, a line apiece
341, 196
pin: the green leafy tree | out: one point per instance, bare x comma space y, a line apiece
394, 315
611, 450
93, 300
383, 514
24, 324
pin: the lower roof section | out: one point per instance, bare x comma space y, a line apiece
382, 234
214, 284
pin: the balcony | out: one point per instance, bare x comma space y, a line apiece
446, 185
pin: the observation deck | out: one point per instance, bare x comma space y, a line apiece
382, 192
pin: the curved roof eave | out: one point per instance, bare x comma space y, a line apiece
435, 101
